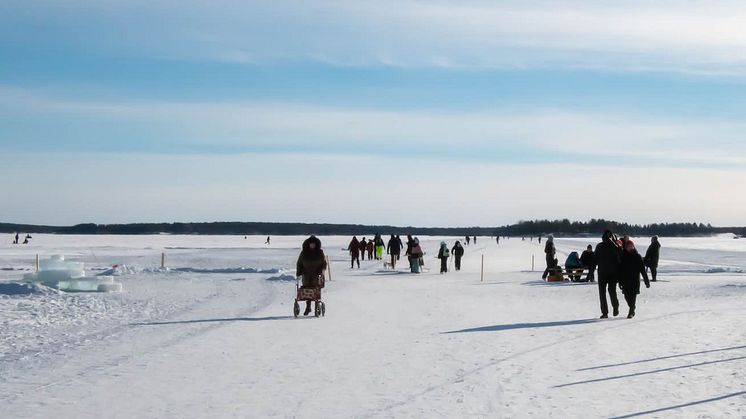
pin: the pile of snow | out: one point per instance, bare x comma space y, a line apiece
15, 288
119, 270
283, 277
239, 270
64, 275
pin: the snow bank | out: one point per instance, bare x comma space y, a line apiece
283, 277
239, 270
15, 288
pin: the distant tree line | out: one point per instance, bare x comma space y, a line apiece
564, 227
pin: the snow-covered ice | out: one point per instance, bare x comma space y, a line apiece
211, 337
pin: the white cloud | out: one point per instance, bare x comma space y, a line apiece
489, 133
686, 36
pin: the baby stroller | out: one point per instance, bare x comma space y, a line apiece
309, 294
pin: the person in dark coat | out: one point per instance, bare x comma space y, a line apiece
410, 243
474, 239
573, 263
354, 249
16, 239
401, 245
550, 252
608, 256
652, 256
443, 255
468, 240
363, 247
458, 253
311, 265
370, 247
588, 260
393, 248
631, 267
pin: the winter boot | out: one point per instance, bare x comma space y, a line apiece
308, 308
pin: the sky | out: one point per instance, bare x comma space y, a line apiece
425, 113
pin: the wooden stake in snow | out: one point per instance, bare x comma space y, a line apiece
163, 260
532, 262
329, 267
482, 268
37, 262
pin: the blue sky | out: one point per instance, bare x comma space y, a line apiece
414, 113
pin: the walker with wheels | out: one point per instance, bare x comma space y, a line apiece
309, 294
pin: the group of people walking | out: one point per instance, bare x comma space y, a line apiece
618, 263
394, 247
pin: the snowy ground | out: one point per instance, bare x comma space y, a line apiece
215, 338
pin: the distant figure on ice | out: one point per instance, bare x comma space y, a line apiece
652, 256
311, 265
16, 240
354, 249
26, 239
415, 257
549, 253
267, 242
608, 256
370, 247
401, 245
631, 268
498, 240
443, 255
379, 247
539, 239
458, 253
410, 243
363, 247
475, 240
468, 239
588, 260
393, 248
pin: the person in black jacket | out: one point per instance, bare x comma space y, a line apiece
363, 247
354, 249
631, 267
458, 253
393, 248
608, 256
550, 252
652, 256
588, 261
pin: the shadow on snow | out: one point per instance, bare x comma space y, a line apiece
681, 406
637, 374
709, 351
514, 326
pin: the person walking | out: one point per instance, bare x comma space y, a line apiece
363, 247
468, 239
608, 256
16, 240
354, 249
379, 247
631, 267
549, 253
370, 247
474, 239
311, 266
443, 255
498, 240
652, 256
588, 260
458, 253
415, 256
393, 248
267, 242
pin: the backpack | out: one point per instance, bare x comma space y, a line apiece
446, 253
